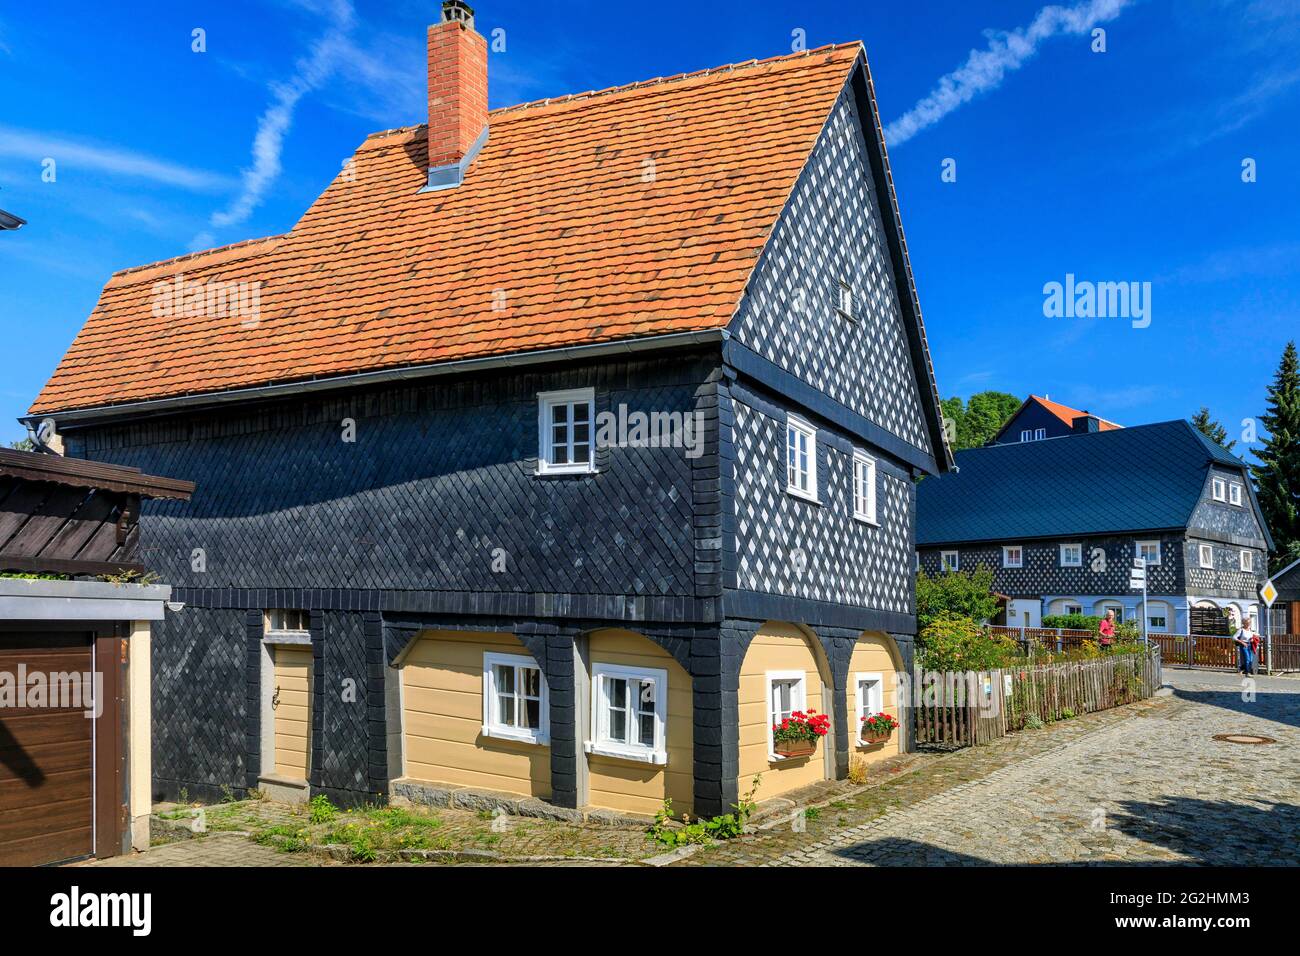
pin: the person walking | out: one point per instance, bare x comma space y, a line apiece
1106, 629
1247, 643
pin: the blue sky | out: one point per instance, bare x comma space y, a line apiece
1117, 166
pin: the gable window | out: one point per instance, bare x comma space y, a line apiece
1149, 552
1033, 434
1071, 555
871, 696
565, 421
785, 695
629, 713
282, 623
1206, 554
950, 560
844, 305
1248, 560
1235, 494
1013, 556
864, 487
800, 458
514, 698
1219, 488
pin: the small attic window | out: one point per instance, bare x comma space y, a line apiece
844, 303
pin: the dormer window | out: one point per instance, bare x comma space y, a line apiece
1219, 488
1235, 494
1033, 434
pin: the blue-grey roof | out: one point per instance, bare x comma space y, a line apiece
1145, 478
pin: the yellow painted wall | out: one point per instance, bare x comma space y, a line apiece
874, 653
293, 670
442, 718
777, 647
627, 785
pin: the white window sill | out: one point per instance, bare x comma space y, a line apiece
561, 471
288, 638
775, 758
658, 758
864, 519
802, 495
518, 736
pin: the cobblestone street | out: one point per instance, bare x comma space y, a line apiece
1145, 784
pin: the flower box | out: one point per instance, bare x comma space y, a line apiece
877, 728
795, 748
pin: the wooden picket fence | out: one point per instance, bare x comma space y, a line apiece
965, 709
1282, 652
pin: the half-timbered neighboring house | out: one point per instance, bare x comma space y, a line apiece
557, 450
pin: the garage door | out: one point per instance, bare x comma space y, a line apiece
46, 793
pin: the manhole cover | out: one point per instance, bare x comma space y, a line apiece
1244, 739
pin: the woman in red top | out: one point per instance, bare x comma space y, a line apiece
1107, 629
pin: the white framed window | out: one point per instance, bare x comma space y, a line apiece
871, 696
1013, 556
1206, 554
1033, 434
515, 700
1219, 488
950, 560
566, 423
629, 713
1149, 552
1235, 494
786, 693
800, 458
1157, 622
1074, 609
844, 301
1117, 608
288, 623
1248, 560
864, 487
1071, 555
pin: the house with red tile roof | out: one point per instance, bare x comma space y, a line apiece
562, 451
1040, 417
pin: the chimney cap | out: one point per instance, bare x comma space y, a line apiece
457, 11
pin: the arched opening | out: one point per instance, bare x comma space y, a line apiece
784, 670
640, 750
475, 709
873, 688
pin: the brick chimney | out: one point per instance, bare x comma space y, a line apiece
458, 110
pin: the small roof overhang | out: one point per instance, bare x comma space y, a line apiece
27, 600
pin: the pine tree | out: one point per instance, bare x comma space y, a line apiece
1211, 429
1277, 477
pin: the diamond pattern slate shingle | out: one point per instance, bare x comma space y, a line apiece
629, 213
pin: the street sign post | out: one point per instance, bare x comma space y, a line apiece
1137, 580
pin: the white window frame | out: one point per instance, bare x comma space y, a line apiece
491, 726
865, 707
795, 425
1236, 494
864, 507
1006, 555
1158, 628
1205, 555
274, 633
1137, 553
1117, 608
1247, 561
1077, 609
1219, 489
844, 301
546, 401
943, 560
1072, 564
601, 744
1027, 435
798, 701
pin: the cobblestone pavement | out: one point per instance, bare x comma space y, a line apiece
1141, 784
215, 849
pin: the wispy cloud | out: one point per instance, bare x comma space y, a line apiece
985, 69
1229, 265
310, 73
35, 147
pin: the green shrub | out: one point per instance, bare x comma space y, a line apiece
1033, 722
1073, 622
321, 810
952, 643
956, 593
